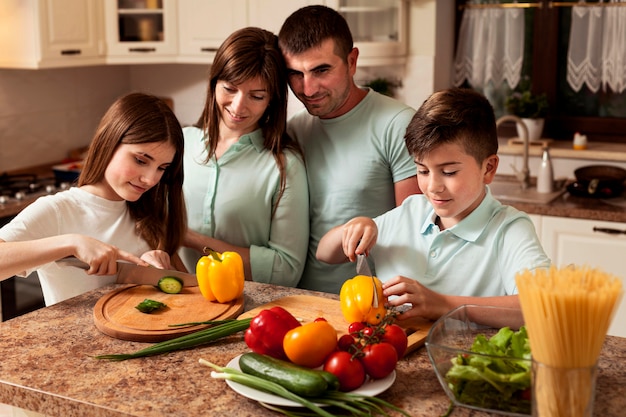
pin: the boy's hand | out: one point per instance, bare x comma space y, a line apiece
358, 237
424, 302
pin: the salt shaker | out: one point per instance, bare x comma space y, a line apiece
545, 178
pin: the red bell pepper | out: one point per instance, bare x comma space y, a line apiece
267, 331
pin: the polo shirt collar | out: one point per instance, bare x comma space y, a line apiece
471, 227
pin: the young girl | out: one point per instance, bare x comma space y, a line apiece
245, 182
128, 205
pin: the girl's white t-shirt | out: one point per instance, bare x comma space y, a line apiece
80, 212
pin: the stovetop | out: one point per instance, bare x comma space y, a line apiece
19, 190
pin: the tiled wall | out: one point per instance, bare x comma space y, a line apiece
46, 113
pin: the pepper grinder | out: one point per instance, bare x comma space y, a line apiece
545, 178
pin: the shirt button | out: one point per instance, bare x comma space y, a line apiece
433, 254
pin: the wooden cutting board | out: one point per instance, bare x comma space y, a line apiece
115, 313
307, 308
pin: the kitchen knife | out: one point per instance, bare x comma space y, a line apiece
129, 273
363, 268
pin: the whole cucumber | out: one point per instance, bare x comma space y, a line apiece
297, 379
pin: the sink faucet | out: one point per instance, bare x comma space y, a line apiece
524, 174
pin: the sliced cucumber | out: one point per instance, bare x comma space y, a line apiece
170, 285
148, 306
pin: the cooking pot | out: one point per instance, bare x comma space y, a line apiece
600, 181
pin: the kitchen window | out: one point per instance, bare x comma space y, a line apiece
600, 113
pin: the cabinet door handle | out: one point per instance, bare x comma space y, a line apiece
141, 49
71, 52
208, 49
608, 230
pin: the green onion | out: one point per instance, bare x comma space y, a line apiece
356, 405
199, 338
263, 385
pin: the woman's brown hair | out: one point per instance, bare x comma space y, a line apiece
246, 54
142, 118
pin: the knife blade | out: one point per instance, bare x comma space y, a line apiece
363, 268
129, 273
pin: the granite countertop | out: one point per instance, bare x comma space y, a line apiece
613, 210
47, 366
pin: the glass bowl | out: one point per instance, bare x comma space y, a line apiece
450, 341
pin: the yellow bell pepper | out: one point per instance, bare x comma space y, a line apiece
220, 276
357, 299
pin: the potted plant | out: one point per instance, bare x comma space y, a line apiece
531, 108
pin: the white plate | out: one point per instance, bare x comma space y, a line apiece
371, 387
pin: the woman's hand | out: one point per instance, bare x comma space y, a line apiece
424, 302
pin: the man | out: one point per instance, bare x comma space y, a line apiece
353, 138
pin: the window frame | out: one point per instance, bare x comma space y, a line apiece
559, 126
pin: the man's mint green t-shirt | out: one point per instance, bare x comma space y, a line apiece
352, 164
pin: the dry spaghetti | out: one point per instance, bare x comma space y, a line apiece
567, 314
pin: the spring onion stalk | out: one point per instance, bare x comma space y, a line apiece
354, 404
263, 385
199, 338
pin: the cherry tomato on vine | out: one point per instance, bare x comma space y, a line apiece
368, 331
349, 371
396, 336
345, 342
379, 359
355, 327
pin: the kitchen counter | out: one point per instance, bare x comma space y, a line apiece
610, 210
47, 366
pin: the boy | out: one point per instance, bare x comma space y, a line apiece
455, 244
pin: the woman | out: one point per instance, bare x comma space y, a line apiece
245, 181
128, 205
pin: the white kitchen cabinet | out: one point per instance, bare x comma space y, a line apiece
50, 33
379, 29
205, 24
598, 244
141, 31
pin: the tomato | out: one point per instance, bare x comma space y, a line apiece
368, 331
309, 345
355, 327
396, 336
379, 359
345, 342
320, 319
349, 371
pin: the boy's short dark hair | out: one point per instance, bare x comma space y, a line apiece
456, 115
310, 26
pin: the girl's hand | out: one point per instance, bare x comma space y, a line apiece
424, 302
358, 237
158, 258
101, 257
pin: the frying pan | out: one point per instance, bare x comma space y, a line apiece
601, 181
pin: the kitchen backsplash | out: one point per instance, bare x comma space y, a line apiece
45, 113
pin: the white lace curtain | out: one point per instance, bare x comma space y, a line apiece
597, 47
490, 47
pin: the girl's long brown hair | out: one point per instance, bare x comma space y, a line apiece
249, 53
142, 118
